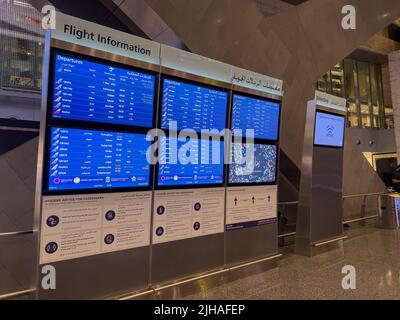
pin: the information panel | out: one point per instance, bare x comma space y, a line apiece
183, 163
80, 226
91, 91
329, 130
183, 214
88, 159
253, 164
258, 114
250, 206
193, 106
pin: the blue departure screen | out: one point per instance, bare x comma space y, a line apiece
89, 91
193, 106
262, 116
253, 165
199, 162
329, 130
87, 159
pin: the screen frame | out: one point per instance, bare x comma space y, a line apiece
99, 124
46, 167
315, 129
191, 82
253, 96
249, 184
191, 186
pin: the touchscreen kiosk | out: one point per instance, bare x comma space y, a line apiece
87, 159
329, 130
92, 90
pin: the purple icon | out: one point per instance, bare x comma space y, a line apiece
160, 210
196, 226
110, 215
51, 247
109, 239
52, 221
197, 206
160, 231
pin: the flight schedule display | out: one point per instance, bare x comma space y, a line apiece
201, 162
329, 130
253, 164
193, 106
88, 159
90, 91
260, 115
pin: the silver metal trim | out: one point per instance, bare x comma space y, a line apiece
365, 195
257, 93
319, 244
361, 219
5, 128
16, 294
286, 235
15, 233
288, 203
59, 44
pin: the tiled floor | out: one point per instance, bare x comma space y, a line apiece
375, 253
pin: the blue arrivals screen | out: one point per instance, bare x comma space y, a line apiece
248, 167
329, 130
193, 106
260, 115
200, 163
89, 91
86, 159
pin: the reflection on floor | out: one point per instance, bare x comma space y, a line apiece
373, 252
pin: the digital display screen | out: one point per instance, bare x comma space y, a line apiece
253, 163
193, 106
260, 115
87, 159
329, 130
200, 162
89, 91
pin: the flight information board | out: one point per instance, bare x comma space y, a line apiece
193, 106
90, 91
88, 159
200, 163
260, 115
329, 130
255, 165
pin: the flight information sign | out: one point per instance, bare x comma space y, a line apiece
199, 163
193, 106
98, 92
256, 114
329, 130
88, 159
253, 164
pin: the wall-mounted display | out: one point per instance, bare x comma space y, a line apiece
329, 130
261, 115
184, 163
253, 164
193, 106
90, 90
88, 159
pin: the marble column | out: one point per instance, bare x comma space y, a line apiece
394, 69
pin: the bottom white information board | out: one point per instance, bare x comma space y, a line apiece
183, 214
84, 225
251, 206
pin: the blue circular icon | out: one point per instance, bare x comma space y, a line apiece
51, 247
160, 231
110, 215
53, 221
160, 210
197, 206
196, 226
109, 239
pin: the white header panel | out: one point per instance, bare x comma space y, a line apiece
256, 81
195, 64
95, 36
329, 101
